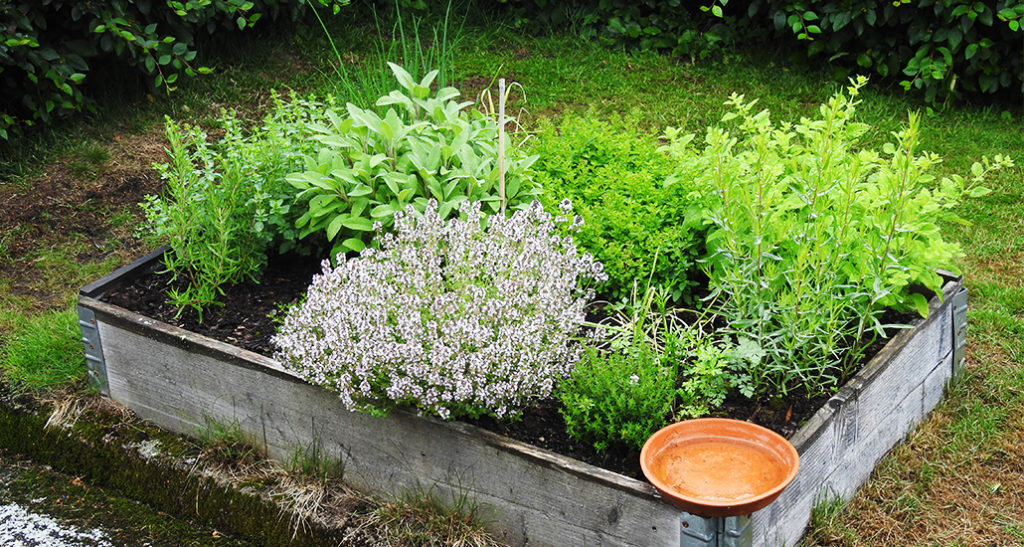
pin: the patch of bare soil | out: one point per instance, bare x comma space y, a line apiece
71, 207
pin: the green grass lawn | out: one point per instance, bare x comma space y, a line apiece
959, 478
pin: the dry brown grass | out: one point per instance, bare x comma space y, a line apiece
959, 478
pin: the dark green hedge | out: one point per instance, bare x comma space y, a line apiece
48, 46
941, 47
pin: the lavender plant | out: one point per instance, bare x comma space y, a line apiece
447, 316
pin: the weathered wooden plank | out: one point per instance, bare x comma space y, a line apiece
528, 495
840, 446
183, 390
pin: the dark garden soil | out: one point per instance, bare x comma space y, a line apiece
69, 210
251, 311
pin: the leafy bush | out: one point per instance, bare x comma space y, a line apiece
812, 235
370, 166
618, 398
48, 47
670, 25
448, 317
634, 224
648, 367
942, 48
623, 389
227, 203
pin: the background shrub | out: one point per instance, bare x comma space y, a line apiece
615, 177
48, 47
941, 47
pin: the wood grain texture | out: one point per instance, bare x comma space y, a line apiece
840, 446
526, 495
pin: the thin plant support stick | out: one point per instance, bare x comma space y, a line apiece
501, 143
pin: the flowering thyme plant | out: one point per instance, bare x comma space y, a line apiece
447, 316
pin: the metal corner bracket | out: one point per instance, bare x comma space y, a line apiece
93, 350
696, 531
959, 330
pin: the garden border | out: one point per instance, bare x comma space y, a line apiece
525, 495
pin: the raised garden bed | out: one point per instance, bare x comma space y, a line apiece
526, 495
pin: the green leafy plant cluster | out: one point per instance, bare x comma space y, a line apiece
615, 175
47, 47
663, 25
230, 202
425, 146
813, 235
226, 203
647, 368
942, 48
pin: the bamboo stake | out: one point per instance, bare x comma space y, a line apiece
501, 143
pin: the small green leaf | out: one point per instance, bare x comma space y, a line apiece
353, 244
335, 226
920, 304
358, 223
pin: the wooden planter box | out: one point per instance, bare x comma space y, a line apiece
526, 495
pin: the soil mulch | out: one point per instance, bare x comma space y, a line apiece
65, 205
250, 312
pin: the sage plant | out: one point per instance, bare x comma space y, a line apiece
464, 317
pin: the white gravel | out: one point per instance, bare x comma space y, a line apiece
20, 528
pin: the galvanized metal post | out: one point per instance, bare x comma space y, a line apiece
93, 350
696, 531
959, 330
